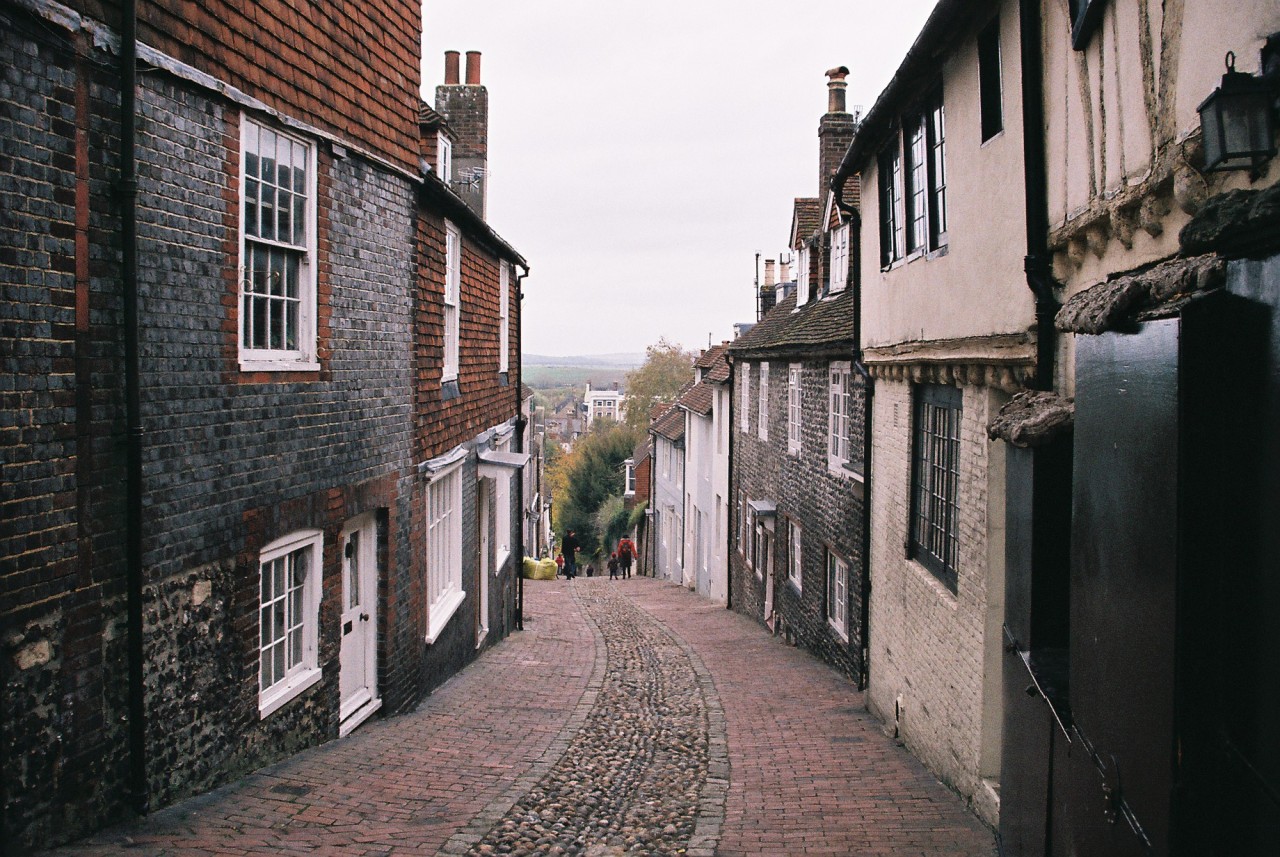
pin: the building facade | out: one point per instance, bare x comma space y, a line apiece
705, 406
797, 550
216, 549
667, 529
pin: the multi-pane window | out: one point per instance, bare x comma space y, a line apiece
763, 549
935, 480
289, 616
802, 277
444, 158
793, 408
913, 186
839, 258
502, 508
793, 553
504, 318
444, 549
764, 401
937, 173
452, 286
989, 80
892, 230
629, 477
744, 397
742, 522
277, 272
838, 421
838, 594
916, 199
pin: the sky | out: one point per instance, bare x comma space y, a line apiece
642, 154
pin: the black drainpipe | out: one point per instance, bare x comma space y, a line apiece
128, 190
1037, 263
521, 424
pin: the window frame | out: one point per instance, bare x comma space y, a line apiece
916, 191
452, 310
444, 592
502, 510
936, 146
763, 427
837, 594
795, 554
839, 258
444, 157
990, 80
803, 276
504, 317
839, 413
933, 530
795, 401
303, 254
305, 671
744, 398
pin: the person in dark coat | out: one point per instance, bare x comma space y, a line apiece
569, 547
613, 567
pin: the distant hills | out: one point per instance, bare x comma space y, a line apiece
620, 360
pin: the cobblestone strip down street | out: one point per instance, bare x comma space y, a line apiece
646, 771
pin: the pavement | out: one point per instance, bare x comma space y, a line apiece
629, 717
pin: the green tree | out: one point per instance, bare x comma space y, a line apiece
587, 476
667, 367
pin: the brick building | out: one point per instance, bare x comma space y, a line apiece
797, 560
230, 427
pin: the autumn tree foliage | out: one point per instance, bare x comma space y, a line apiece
586, 477
666, 369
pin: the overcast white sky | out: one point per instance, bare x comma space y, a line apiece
641, 154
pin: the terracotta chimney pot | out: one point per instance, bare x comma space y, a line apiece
473, 68
451, 68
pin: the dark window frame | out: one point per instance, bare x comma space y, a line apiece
933, 540
937, 149
990, 87
1085, 17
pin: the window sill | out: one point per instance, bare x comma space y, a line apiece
278, 365
442, 613
840, 632
503, 556
272, 700
795, 584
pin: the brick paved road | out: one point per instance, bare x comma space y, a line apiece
785, 760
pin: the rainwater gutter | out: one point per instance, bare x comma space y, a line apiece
1036, 264
128, 191
521, 425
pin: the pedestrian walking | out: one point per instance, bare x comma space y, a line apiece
569, 547
613, 566
559, 564
626, 553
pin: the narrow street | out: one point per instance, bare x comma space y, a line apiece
630, 717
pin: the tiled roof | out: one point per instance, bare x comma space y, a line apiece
641, 452
699, 399
807, 218
826, 324
670, 425
711, 356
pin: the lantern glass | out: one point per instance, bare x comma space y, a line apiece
1236, 123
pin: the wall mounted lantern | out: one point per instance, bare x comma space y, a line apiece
1236, 121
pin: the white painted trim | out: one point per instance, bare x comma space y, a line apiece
361, 715
442, 613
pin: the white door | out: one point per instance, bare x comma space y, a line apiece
358, 678
764, 557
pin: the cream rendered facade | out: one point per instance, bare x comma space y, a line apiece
706, 559
960, 319
1123, 132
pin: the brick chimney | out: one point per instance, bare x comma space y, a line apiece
769, 291
465, 106
835, 130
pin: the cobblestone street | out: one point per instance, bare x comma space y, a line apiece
630, 717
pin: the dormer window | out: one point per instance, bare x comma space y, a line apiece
444, 158
802, 276
839, 258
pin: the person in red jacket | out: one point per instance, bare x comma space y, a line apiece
626, 555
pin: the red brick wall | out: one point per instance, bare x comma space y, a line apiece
349, 68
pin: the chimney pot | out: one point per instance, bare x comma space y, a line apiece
473, 68
784, 273
836, 89
768, 273
451, 68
